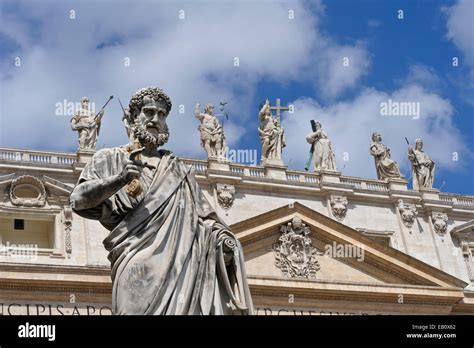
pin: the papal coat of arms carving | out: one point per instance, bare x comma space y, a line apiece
294, 254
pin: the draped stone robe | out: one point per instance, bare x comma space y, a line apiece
423, 169
323, 155
385, 166
167, 246
88, 127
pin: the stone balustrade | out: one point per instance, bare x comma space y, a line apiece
295, 177
44, 157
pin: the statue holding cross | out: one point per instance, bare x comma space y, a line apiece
271, 133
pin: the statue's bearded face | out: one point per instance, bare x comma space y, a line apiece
150, 126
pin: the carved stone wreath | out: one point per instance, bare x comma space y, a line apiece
29, 183
294, 254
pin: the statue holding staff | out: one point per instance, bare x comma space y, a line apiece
423, 167
87, 125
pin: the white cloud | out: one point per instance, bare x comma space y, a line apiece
350, 124
191, 59
340, 67
422, 75
460, 26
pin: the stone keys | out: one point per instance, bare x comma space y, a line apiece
134, 187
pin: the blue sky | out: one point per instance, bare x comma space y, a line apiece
298, 60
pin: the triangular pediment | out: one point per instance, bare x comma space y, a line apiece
371, 262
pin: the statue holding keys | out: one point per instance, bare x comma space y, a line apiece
170, 252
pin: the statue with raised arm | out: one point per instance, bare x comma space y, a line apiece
212, 133
170, 252
87, 124
385, 166
323, 155
423, 167
271, 136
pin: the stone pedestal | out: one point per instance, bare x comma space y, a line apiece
275, 171
395, 184
218, 163
273, 162
84, 156
330, 176
429, 194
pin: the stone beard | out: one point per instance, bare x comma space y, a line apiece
147, 138
170, 252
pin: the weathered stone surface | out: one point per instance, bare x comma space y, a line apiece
170, 253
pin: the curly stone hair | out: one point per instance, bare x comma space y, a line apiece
136, 103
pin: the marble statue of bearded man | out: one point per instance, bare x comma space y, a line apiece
169, 251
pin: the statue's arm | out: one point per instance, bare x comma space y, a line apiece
197, 113
263, 110
98, 119
91, 193
311, 137
411, 154
374, 151
74, 123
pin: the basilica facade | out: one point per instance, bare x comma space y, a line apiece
315, 243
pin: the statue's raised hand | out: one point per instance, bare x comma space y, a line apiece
130, 171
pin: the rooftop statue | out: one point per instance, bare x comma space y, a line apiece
423, 167
271, 136
385, 166
321, 149
87, 125
212, 133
